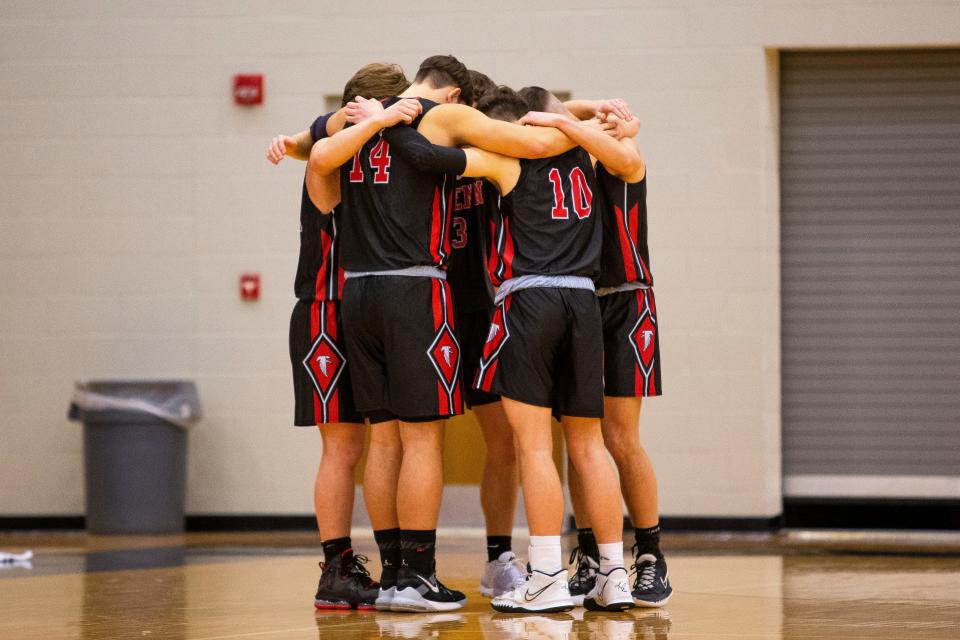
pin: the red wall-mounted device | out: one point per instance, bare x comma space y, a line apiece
250, 286
248, 89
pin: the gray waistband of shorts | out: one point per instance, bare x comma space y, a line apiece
554, 282
626, 286
420, 271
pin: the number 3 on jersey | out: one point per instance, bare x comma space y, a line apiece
379, 162
582, 196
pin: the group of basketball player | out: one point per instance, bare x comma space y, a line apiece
448, 254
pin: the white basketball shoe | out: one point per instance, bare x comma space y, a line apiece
541, 593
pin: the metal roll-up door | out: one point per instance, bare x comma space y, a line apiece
870, 188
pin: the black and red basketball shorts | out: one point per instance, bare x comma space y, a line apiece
473, 327
404, 352
321, 381
631, 344
545, 347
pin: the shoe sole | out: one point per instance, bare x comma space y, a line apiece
327, 605
550, 608
591, 605
577, 600
654, 604
383, 601
407, 603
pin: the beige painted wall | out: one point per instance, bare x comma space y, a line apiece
133, 193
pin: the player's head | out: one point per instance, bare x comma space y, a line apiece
377, 81
448, 77
539, 99
481, 83
502, 103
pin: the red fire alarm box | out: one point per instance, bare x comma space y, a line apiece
248, 89
249, 286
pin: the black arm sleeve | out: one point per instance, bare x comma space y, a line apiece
423, 154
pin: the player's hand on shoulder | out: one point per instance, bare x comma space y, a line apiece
540, 119
405, 111
279, 147
360, 109
614, 106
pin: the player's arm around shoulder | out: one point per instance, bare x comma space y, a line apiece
502, 171
640, 170
298, 145
459, 125
328, 154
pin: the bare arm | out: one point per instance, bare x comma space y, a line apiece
455, 125
587, 109
621, 160
298, 145
324, 190
502, 171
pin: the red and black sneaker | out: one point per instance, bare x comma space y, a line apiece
346, 584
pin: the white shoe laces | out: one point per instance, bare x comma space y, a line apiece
646, 574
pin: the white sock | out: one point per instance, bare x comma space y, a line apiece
545, 554
611, 556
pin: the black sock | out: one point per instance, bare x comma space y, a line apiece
333, 549
588, 543
648, 541
497, 545
388, 541
419, 549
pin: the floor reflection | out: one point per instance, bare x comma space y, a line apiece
640, 624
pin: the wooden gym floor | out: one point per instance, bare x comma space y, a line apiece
260, 587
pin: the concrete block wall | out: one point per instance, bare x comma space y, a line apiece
133, 193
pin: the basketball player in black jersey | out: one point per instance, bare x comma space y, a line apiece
631, 347
323, 394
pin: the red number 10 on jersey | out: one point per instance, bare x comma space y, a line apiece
581, 195
379, 162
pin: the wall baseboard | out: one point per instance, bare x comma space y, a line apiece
798, 513
871, 513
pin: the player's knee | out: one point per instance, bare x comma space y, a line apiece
585, 452
620, 445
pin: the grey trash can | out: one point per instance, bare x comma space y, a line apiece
135, 453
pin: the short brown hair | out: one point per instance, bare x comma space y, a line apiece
376, 81
503, 103
446, 71
539, 99
482, 84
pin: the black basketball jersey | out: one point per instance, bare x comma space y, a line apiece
546, 225
623, 208
394, 216
319, 274
467, 268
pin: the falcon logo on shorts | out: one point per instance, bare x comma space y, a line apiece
324, 364
643, 339
444, 353
496, 337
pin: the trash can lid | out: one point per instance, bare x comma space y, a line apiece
175, 401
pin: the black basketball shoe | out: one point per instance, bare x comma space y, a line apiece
346, 584
651, 584
423, 592
584, 578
